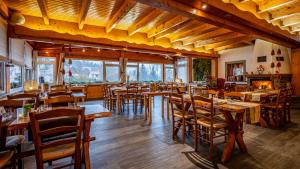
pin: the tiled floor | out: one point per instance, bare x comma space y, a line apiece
125, 141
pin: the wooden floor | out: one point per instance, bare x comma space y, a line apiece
126, 142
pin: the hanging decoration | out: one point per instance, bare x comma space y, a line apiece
279, 51
272, 65
272, 51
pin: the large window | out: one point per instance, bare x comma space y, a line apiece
46, 70
182, 71
169, 73
112, 71
83, 71
15, 78
201, 69
150, 72
2, 78
132, 72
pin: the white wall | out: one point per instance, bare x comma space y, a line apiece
250, 54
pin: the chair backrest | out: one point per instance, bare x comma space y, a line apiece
176, 101
33, 98
38, 132
282, 96
59, 101
58, 88
132, 89
203, 108
11, 105
59, 93
181, 89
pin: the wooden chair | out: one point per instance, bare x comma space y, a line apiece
273, 111
59, 101
130, 98
209, 124
60, 147
106, 96
289, 101
31, 98
7, 155
15, 138
112, 98
180, 116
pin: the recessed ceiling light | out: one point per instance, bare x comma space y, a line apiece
83, 50
204, 6
47, 52
98, 50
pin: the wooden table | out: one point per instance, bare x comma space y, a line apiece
78, 96
23, 123
148, 98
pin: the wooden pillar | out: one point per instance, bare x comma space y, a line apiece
190, 69
295, 70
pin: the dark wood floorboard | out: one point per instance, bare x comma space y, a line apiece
126, 142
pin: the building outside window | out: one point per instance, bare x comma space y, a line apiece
182, 71
46, 70
132, 71
169, 73
2, 78
150, 72
83, 71
112, 71
15, 78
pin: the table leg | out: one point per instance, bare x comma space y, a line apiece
145, 108
240, 132
162, 106
118, 103
150, 109
86, 146
168, 108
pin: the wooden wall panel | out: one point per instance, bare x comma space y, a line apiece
94, 91
295, 69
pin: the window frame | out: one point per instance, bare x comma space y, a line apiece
18, 89
169, 66
46, 63
3, 79
112, 64
137, 69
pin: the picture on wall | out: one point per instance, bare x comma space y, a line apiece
201, 69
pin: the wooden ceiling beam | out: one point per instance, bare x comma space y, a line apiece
291, 21
143, 21
269, 5
203, 28
228, 42
207, 35
235, 20
43, 8
115, 18
177, 20
3, 9
285, 13
218, 39
85, 5
243, 1
173, 29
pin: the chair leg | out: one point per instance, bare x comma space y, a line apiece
183, 130
20, 160
211, 146
196, 137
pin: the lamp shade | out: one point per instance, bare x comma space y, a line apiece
17, 18
31, 85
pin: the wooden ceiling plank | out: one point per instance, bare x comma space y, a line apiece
3, 9
218, 39
243, 1
43, 8
291, 21
115, 18
207, 35
269, 5
228, 42
166, 26
193, 32
285, 13
143, 21
239, 44
173, 29
85, 5
251, 25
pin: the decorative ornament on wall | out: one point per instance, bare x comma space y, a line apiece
279, 51
272, 65
260, 69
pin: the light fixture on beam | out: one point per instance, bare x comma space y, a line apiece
204, 6
83, 50
98, 50
47, 52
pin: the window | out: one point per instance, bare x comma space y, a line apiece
169, 73
15, 78
150, 72
132, 72
201, 69
83, 71
112, 71
28, 74
46, 70
2, 78
182, 71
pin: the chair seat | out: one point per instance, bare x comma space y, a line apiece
218, 123
5, 157
186, 115
203, 112
13, 141
58, 152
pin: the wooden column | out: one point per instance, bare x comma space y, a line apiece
190, 69
295, 70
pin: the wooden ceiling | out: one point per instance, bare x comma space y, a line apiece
186, 27
282, 13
